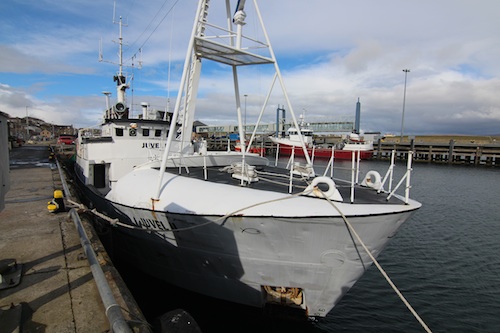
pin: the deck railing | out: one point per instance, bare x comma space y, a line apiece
308, 171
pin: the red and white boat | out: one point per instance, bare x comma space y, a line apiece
261, 151
292, 143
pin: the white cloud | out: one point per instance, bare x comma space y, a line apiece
333, 52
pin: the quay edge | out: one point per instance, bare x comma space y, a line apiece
56, 292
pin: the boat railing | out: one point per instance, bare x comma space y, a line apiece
406, 176
354, 171
353, 181
228, 35
378, 184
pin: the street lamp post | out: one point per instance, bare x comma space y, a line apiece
245, 110
404, 101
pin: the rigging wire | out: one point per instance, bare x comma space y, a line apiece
150, 23
167, 108
155, 28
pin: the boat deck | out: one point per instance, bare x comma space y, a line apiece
277, 180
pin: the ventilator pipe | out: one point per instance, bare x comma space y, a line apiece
116, 320
144, 107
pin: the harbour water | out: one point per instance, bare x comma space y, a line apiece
445, 260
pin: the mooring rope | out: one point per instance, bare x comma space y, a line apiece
262, 203
116, 222
382, 271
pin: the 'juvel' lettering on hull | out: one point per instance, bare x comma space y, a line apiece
151, 145
150, 224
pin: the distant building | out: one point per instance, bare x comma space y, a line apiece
46, 134
324, 128
29, 128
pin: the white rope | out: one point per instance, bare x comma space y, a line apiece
116, 222
113, 222
261, 203
382, 271
76, 204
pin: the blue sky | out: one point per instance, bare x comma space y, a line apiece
331, 52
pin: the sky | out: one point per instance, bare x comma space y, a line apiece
330, 52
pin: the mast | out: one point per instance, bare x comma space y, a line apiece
120, 79
119, 110
191, 58
280, 78
239, 21
224, 48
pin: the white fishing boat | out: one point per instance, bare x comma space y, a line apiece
227, 225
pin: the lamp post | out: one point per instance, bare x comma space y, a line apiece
404, 101
245, 110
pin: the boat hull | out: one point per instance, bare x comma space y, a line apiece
261, 151
239, 257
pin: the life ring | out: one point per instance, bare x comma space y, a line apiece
332, 192
372, 180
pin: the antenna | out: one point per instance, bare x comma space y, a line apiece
122, 84
114, 11
140, 59
120, 43
100, 50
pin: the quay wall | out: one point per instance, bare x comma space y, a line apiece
451, 153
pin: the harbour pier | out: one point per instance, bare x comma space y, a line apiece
47, 284
451, 152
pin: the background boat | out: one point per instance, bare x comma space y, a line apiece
292, 144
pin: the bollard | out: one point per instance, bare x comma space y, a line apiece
56, 205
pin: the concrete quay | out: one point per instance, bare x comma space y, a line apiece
56, 291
